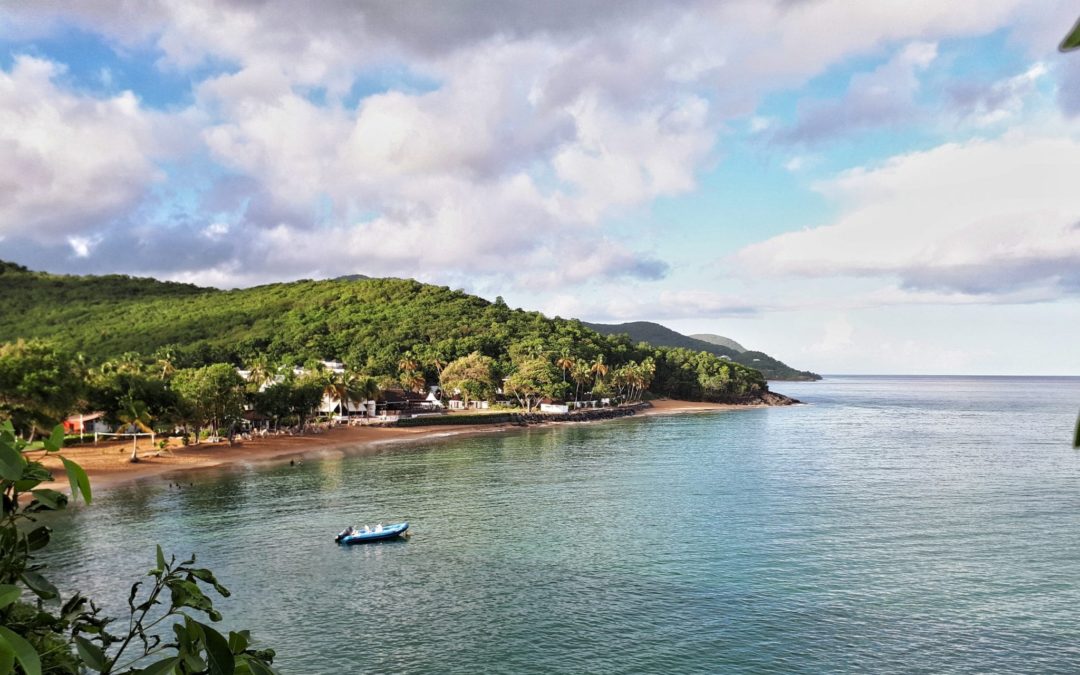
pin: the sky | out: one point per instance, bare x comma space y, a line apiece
852, 187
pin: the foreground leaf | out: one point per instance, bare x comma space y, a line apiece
24, 652
90, 653
219, 656
8, 595
55, 441
50, 498
160, 667
41, 586
12, 462
78, 479
1072, 40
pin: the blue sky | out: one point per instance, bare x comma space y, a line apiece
893, 195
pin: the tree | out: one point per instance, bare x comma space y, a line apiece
134, 413
599, 370
214, 392
39, 385
473, 376
582, 375
565, 362
532, 380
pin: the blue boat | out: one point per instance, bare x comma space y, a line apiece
364, 536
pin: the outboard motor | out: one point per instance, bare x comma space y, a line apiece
344, 533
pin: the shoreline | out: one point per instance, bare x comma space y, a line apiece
108, 467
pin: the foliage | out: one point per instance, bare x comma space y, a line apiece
662, 336
44, 636
39, 384
534, 379
215, 393
472, 375
397, 331
1072, 40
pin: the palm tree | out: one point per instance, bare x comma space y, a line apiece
581, 374
261, 373
599, 369
566, 362
407, 362
165, 359
438, 363
413, 380
134, 413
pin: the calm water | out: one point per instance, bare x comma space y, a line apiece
894, 525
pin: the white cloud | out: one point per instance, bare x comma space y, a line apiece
984, 218
71, 161
882, 97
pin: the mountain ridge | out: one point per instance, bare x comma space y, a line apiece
659, 335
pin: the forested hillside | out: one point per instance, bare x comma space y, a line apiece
372, 325
662, 336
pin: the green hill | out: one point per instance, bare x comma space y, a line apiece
662, 336
719, 341
370, 324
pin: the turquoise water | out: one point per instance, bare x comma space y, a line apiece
893, 525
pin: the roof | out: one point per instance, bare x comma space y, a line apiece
84, 417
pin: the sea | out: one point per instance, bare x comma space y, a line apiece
888, 525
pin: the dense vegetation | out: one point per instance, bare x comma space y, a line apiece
391, 330
662, 336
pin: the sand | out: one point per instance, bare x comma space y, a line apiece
108, 464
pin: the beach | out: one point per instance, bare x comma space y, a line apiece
108, 465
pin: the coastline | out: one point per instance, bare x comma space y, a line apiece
108, 467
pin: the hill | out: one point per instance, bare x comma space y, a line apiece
662, 336
370, 324
719, 341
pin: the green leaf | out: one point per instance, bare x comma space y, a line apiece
50, 498
257, 667
78, 479
24, 652
219, 656
160, 667
8, 595
7, 659
90, 653
55, 441
160, 558
38, 538
40, 585
238, 641
12, 462
1072, 40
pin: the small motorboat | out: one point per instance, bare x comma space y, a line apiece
366, 534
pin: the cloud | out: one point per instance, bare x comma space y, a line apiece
631, 303
883, 97
71, 162
986, 218
991, 104
542, 124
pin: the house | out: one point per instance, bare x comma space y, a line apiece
457, 403
86, 423
555, 408
330, 405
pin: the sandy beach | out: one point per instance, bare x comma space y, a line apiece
107, 463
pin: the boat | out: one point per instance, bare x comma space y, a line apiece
365, 535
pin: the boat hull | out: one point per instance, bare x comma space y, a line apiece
388, 532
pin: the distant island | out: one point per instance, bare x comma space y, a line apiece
726, 348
